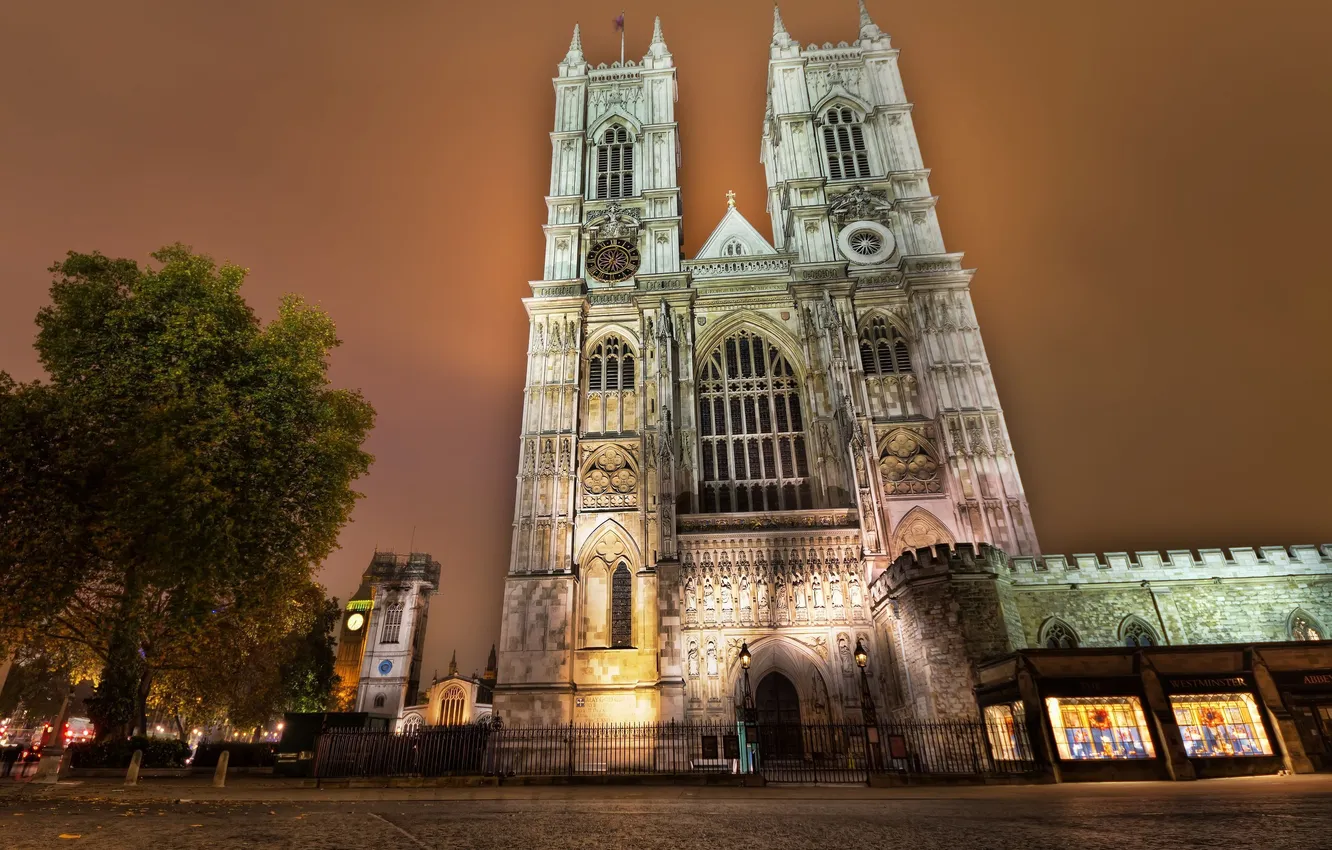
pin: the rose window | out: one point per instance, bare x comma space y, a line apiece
610, 482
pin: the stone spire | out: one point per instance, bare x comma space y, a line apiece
492, 669
868, 29
575, 55
453, 664
780, 37
657, 50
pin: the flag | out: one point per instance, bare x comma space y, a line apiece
619, 23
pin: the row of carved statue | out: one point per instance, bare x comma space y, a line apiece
776, 586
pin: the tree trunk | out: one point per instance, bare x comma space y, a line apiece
141, 699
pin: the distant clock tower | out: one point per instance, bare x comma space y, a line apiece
392, 631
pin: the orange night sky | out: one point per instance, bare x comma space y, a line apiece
1130, 179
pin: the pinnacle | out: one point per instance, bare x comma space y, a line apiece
577, 43
575, 55
868, 29
656, 31
779, 28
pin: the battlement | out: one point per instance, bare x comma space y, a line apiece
393, 567
1173, 565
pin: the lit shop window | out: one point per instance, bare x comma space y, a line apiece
1006, 727
1220, 725
1099, 728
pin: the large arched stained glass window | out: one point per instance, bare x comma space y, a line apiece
752, 429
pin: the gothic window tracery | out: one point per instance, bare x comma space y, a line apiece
615, 163
844, 145
733, 248
622, 607
883, 349
751, 429
1057, 634
610, 480
611, 377
453, 707
1135, 632
1304, 627
908, 466
392, 623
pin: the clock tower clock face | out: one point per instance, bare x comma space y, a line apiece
354, 622
613, 260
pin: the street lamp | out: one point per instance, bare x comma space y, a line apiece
867, 705
748, 714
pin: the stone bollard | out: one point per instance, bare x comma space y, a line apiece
52, 766
132, 775
220, 775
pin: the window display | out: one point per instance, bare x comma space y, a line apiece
1006, 727
1220, 725
1099, 728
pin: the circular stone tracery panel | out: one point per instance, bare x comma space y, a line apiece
866, 242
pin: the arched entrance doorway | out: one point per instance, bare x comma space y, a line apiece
778, 705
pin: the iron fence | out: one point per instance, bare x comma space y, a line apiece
798, 753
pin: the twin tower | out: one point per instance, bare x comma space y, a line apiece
728, 449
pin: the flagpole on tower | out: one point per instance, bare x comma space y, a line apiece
621, 38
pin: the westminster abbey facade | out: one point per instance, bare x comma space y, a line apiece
760, 444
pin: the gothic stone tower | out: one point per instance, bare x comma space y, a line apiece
728, 449
401, 586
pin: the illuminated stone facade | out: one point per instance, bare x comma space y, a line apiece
734, 448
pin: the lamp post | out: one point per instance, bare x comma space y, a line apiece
747, 712
867, 707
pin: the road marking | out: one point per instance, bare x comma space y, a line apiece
405, 833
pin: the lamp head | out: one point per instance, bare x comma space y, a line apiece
862, 657
745, 657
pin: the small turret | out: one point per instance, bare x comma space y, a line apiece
453, 664
574, 63
492, 673
658, 56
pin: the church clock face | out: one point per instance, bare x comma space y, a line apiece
613, 260
354, 622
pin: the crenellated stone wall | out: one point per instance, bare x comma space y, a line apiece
945, 610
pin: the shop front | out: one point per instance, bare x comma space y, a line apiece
1221, 725
1137, 713
1307, 694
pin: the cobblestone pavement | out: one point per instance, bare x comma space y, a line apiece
1223, 813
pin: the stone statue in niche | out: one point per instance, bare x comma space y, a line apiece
762, 587
798, 589
835, 589
712, 657
725, 592
707, 593
844, 653
779, 588
853, 587
816, 590
745, 599
691, 588
693, 659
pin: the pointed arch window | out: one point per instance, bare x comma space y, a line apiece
612, 372
751, 429
392, 623
1058, 635
615, 163
453, 707
844, 145
379, 701
1136, 632
883, 349
1304, 627
622, 607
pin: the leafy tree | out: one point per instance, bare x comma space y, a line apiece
165, 496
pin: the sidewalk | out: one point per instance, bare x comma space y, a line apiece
271, 790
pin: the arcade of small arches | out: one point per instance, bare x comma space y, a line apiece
1134, 631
